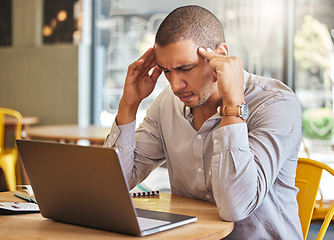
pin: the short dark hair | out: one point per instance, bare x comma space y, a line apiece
191, 23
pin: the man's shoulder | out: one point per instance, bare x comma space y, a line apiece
267, 88
267, 84
262, 91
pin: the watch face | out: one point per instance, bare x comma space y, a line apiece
244, 111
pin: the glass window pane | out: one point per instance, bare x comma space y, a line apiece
314, 57
125, 29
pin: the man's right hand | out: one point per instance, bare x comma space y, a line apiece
139, 84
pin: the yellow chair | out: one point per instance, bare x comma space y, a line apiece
9, 155
307, 180
321, 206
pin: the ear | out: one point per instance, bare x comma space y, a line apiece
222, 49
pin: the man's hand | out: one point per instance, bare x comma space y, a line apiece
228, 72
139, 84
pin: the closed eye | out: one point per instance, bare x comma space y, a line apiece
163, 69
183, 68
187, 69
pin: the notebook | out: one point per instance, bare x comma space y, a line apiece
143, 190
26, 192
85, 185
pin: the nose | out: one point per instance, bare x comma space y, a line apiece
176, 81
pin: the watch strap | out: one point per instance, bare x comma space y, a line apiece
241, 111
231, 111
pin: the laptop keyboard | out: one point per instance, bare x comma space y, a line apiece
147, 223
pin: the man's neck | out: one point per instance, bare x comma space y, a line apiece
204, 112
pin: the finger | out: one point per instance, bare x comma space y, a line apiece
146, 60
143, 65
149, 59
206, 53
146, 69
135, 66
150, 62
156, 73
147, 54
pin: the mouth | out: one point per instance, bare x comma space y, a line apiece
185, 98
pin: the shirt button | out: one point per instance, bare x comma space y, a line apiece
210, 173
215, 141
199, 136
199, 170
208, 196
115, 135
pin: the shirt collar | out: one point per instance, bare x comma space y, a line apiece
246, 77
187, 114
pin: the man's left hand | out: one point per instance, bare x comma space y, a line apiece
228, 71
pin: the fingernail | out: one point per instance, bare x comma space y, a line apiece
209, 49
201, 49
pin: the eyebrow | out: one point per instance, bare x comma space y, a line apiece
179, 67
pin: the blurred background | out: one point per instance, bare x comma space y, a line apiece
65, 61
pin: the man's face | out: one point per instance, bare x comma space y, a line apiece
188, 73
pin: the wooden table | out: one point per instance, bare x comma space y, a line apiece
34, 226
27, 121
69, 133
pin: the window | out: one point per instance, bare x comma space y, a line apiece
314, 71
124, 30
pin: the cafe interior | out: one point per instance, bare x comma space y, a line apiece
63, 65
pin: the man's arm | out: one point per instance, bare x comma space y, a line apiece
228, 72
139, 84
136, 165
246, 162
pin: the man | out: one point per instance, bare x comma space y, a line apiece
245, 163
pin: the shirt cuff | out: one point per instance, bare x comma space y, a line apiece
121, 135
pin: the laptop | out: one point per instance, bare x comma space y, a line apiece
85, 185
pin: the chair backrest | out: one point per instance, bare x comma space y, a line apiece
18, 127
308, 178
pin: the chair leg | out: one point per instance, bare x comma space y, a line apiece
8, 168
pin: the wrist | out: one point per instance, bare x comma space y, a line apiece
233, 114
237, 110
232, 98
126, 112
233, 101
